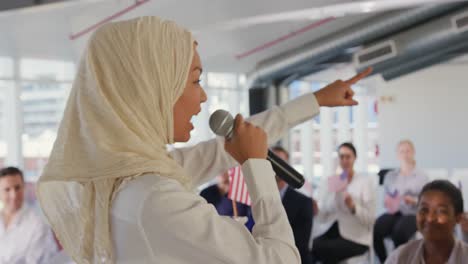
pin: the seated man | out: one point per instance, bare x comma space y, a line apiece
299, 209
440, 209
24, 238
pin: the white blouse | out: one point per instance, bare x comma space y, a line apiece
355, 227
413, 252
154, 220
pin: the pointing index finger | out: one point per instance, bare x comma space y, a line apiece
359, 76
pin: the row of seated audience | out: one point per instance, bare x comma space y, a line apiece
344, 224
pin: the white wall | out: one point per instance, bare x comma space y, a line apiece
430, 107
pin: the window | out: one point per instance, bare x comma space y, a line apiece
225, 91
45, 86
298, 158
44, 89
35, 69
4, 85
6, 68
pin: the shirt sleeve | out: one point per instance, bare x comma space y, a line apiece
42, 246
326, 200
185, 229
365, 206
393, 257
464, 236
208, 159
422, 180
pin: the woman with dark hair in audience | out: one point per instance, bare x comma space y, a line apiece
440, 209
402, 187
343, 226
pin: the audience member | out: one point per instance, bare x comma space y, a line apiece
24, 238
440, 208
403, 186
299, 209
343, 226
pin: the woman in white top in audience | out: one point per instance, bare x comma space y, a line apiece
404, 185
440, 208
343, 226
124, 198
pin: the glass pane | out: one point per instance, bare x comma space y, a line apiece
36, 69
242, 81
232, 100
43, 106
6, 68
4, 85
298, 88
222, 80
224, 92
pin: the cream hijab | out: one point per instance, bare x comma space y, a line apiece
116, 126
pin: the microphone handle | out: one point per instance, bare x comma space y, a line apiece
285, 171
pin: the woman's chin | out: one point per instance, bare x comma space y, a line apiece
187, 138
182, 139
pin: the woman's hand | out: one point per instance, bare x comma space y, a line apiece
348, 200
248, 142
410, 200
339, 93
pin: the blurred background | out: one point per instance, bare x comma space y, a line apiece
257, 54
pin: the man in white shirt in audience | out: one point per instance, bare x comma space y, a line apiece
24, 238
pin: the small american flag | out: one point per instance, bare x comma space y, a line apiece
338, 183
237, 188
392, 201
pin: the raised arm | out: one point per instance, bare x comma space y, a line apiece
208, 159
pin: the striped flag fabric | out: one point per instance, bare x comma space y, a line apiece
237, 188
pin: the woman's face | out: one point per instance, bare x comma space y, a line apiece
189, 103
405, 152
347, 158
436, 217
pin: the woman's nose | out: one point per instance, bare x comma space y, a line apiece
203, 97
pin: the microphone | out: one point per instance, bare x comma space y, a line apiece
222, 124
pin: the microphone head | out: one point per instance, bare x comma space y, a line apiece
221, 123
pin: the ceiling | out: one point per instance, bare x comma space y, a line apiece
234, 36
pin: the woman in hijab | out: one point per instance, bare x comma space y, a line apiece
114, 194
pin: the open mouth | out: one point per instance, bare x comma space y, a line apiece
192, 120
